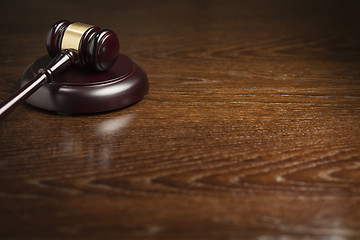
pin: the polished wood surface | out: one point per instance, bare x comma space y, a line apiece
250, 130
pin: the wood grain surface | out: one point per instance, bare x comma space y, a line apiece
251, 128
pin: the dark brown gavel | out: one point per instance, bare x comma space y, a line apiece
69, 43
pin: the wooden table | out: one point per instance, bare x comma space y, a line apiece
251, 128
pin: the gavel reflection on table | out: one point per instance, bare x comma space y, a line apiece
106, 80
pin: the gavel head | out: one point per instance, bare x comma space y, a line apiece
95, 47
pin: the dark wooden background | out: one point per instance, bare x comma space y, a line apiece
251, 129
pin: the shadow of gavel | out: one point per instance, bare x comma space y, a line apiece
69, 43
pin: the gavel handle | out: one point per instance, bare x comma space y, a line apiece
60, 62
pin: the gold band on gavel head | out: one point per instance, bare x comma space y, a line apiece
73, 34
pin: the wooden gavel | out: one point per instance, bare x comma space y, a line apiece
69, 43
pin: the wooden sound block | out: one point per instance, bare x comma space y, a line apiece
79, 91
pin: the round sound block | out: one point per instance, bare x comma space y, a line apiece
79, 91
